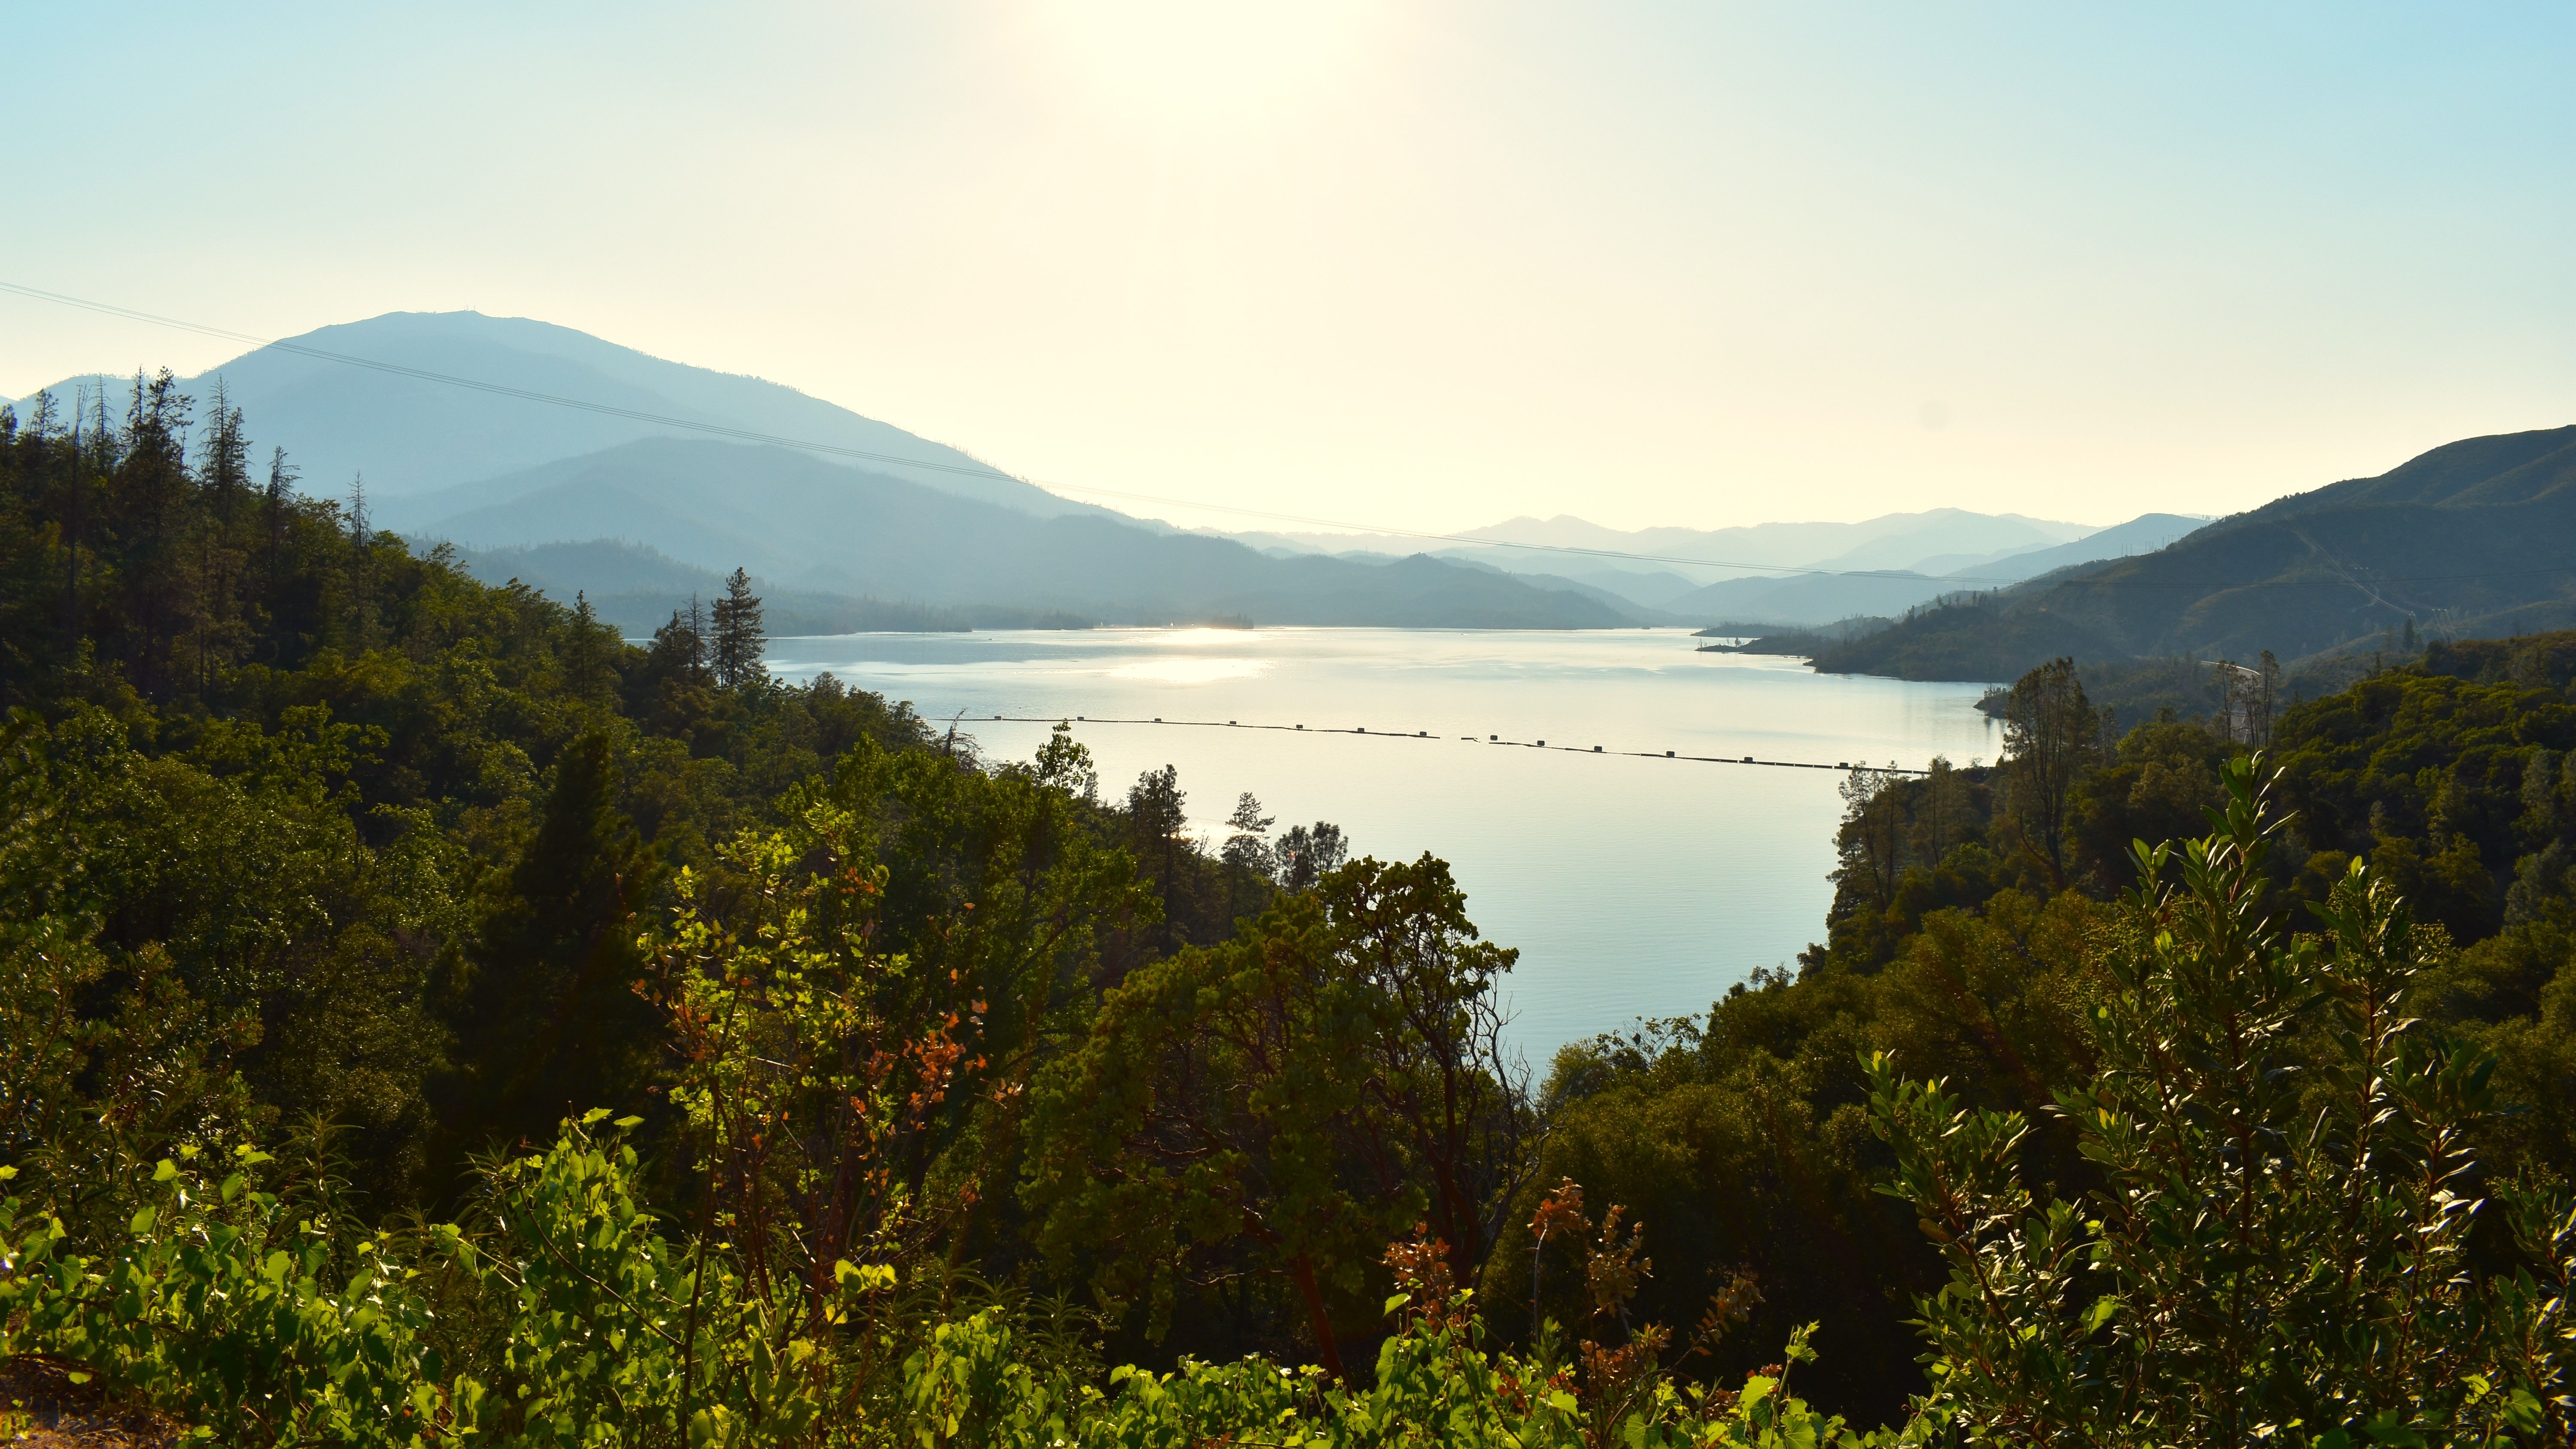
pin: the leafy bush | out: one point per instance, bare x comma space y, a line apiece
2289, 1242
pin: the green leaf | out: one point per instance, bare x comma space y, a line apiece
142, 1222
627, 1122
1396, 1302
166, 1171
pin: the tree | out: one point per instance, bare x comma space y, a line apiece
587, 672
225, 469
1157, 821
1871, 841
1284, 1104
1247, 841
548, 1021
679, 650
2281, 1245
738, 645
1444, 1079
2049, 744
277, 506
1306, 855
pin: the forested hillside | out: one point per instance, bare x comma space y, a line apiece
2471, 539
431, 1019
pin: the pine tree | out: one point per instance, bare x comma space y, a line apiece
548, 1022
586, 668
226, 466
739, 642
680, 648
1247, 842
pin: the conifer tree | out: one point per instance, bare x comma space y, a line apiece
586, 667
1247, 841
680, 646
739, 642
548, 1022
226, 468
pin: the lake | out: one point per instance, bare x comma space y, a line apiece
1633, 885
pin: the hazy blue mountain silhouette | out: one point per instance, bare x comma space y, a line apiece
409, 435
800, 521
1822, 598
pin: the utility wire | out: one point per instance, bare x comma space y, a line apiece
982, 471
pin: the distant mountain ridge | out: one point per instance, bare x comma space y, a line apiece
1923, 557
2474, 538
1700, 575
411, 435
941, 532
509, 472
815, 525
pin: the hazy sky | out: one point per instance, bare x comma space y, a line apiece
1425, 265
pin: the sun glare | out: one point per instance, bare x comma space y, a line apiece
1175, 60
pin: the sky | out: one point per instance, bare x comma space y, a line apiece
1419, 266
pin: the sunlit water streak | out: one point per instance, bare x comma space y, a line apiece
1633, 887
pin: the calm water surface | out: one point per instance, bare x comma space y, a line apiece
1633, 887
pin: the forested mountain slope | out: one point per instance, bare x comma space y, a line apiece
2474, 538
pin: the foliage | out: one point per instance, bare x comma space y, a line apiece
1284, 1104
317, 843
221, 1304
2282, 1245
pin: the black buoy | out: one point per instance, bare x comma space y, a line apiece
1596, 749
1748, 759
1229, 721
1363, 729
1668, 754
1301, 727
1493, 737
1542, 744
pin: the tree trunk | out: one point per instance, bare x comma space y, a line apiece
1326, 1352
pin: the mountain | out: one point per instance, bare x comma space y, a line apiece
1950, 534
1656, 590
1890, 541
637, 588
1702, 556
411, 435
804, 523
1808, 600
2144, 534
2476, 537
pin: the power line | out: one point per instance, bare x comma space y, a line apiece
981, 471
